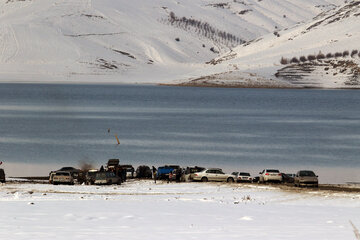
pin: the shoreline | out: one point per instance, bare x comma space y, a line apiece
351, 187
184, 84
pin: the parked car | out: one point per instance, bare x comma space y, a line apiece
62, 177
90, 176
143, 172
163, 171
306, 178
288, 177
129, 170
190, 171
77, 174
213, 174
107, 178
242, 176
2, 175
270, 175
256, 179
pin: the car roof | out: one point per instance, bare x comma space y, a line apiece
305, 171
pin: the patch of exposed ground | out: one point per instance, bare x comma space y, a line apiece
343, 73
104, 64
235, 79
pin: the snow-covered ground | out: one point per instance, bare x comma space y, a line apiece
163, 41
144, 210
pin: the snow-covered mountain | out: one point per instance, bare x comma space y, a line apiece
323, 52
168, 41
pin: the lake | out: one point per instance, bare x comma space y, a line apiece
45, 126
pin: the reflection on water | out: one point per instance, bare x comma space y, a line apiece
229, 128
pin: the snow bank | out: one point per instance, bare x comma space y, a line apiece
141, 209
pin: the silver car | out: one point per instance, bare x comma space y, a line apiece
213, 174
306, 178
270, 175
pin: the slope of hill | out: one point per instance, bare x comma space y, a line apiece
137, 41
323, 53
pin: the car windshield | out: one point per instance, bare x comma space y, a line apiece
62, 174
307, 174
272, 171
195, 170
244, 174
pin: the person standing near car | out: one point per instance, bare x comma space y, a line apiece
178, 175
154, 173
170, 176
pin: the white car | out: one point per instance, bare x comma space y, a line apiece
213, 174
270, 175
62, 177
242, 176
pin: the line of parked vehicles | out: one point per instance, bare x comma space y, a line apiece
114, 173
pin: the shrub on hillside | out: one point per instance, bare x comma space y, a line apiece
320, 56
338, 54
353, 53
329, 55
345, 53
204, 29
303, 59
294, 60
284, 61
311, 57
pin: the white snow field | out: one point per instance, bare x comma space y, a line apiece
165, 41
143, 210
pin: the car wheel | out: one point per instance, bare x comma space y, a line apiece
204, 179
230, 180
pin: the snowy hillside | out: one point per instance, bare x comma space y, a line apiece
151, 41
323, 52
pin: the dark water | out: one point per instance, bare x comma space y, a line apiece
229, 128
